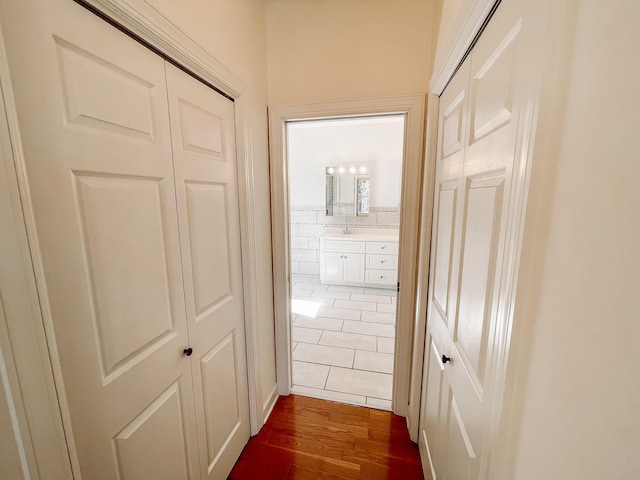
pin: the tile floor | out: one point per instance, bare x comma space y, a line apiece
342, 342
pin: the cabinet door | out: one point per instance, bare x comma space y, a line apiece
353, 268
330, 269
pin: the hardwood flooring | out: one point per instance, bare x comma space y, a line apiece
308, 438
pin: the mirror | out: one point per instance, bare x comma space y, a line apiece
347, 194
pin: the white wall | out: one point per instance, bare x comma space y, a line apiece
336, 49
374, 142
574, 379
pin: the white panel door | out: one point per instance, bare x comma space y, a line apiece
202, 128
93, 113
476, 146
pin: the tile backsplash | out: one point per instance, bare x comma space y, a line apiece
307, 223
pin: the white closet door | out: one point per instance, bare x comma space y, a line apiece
92, 107
203, 137
476, 148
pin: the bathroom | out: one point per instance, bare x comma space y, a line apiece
344, 196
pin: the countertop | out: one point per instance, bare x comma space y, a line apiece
371, 234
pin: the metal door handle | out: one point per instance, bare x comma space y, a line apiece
188, 351
445, 359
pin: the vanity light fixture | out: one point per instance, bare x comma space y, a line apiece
352, 170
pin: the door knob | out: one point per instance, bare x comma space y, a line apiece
189, 351
445, 359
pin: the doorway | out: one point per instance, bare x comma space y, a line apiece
345, 180
406, 359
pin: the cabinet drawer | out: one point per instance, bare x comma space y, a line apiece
342, 246
388, 248
382, 262
381, 277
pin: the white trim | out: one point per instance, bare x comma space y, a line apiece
413, 107
150, 25
270, 403
422, 278
471, 17
38, 405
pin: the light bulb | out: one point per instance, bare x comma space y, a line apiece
352, 170
331, 170
363, 169
341, 169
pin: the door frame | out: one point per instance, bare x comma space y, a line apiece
473, 15
405, 359
147, 24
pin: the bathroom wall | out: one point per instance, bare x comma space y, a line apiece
375, 142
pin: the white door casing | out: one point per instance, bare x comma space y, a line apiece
99, 161
476, 151
202, 129
406, 359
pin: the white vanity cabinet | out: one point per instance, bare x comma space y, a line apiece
358, 260
341, 262
381, 268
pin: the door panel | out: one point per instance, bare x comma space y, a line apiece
443, 245
202, 130
207, 206
126, 255
98, 155
431, 418
103, 95
219, 374
460, 463
477, 132
167, 459
481, 225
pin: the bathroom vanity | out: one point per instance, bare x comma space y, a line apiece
363, 257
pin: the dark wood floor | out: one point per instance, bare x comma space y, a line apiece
308, 438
